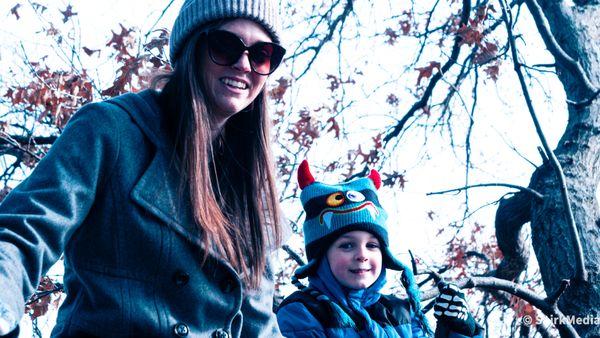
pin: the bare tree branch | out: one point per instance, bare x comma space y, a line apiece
332, 26
559, 54
464, 18
581, 273
293, 254
490, 283
586, 102
524, 189
24, 140
512, 214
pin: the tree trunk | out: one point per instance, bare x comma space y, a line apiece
577, 31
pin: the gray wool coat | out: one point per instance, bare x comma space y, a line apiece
106, 195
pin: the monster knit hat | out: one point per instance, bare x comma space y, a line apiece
334, 209
196, 13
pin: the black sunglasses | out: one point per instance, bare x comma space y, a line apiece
226, 48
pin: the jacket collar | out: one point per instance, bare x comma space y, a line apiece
159, 190
325, 282
147, 114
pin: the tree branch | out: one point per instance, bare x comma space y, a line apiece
464, 17
293, 254
511, 215
348, 7
523, 189
559, 54
581, 273
490, 283
24, 140
586, 102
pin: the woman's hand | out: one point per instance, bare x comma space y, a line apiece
451, 309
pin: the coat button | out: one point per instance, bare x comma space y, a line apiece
181, 278
181, 330
220, 333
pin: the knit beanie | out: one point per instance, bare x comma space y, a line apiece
196, 13
334, 209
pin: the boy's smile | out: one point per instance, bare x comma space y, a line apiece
355, 259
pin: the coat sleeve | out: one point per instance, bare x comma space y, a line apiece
295, 321
38, 217
257, 309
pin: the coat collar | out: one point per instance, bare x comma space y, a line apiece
159, 189
144, 110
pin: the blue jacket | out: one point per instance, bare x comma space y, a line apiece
297, 321
106, 195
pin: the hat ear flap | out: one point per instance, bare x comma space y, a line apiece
305, 178
376, 178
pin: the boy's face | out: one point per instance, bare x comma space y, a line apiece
355, 259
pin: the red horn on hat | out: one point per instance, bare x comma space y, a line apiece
376, 178
305, 178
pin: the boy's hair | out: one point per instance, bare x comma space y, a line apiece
334, 209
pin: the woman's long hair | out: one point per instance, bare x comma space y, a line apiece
230, 181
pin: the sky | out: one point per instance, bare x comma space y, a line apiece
501, 120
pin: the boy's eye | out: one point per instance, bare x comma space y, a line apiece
373, 245
346, 245
335, 200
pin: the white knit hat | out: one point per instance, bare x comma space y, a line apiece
196, 13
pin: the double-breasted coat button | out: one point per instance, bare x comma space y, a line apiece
220, 333
181, 330
181, 278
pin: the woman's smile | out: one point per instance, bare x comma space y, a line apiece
233, 83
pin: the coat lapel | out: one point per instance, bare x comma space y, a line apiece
158, 190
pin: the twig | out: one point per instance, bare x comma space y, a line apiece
293, 254
434, 79
520, 188
581, 273
7, 139
559, 54
542, 155
413, 262
158, 19
547, 65
348, 8
586, 102
42, 294
481, 256
553, 300
24, 140
492, 283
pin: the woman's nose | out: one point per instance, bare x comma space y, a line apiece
243, 63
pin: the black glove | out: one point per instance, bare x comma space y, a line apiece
451, 309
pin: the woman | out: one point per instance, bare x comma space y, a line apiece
164, 204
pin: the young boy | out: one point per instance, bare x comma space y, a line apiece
347, 247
